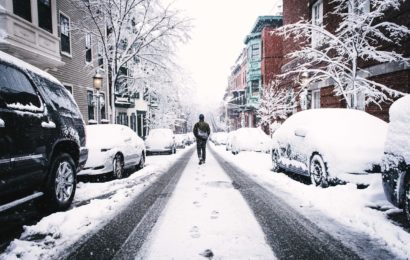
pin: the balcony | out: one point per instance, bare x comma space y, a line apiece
28, 42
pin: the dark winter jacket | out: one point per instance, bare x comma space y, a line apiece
202, 130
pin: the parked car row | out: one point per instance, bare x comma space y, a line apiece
333, 146
45, 145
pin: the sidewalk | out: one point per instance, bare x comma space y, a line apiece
206, 212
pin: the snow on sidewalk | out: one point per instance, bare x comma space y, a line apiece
204, 213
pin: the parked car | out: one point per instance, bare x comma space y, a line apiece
330, 145
180, 140
396, 160
229, 137
160, 140
250, 139
219, 138
123, 150
42, 137
190, 139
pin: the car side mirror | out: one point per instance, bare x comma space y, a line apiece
300, 132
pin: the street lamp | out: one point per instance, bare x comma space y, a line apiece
97, 83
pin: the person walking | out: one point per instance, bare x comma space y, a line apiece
201, 132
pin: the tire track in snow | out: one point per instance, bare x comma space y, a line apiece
124, 235
290, 234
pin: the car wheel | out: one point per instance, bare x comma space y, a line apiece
141, 165
406, 208
61, 184
275, 159
318, 171
118, 167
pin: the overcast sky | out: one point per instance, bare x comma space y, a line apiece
220, 26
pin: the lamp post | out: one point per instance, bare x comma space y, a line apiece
97, 83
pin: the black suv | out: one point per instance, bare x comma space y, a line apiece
42, 137
396, 160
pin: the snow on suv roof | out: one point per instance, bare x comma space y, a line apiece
26, 66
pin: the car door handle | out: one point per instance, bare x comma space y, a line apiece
2, 124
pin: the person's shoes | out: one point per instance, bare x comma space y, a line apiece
200, 162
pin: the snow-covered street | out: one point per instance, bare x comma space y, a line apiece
206, 213
232, 207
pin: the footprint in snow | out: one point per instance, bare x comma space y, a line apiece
214, 214
207, 253
195, 232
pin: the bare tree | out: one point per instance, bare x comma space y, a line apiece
276, 105
339, 57
133, 34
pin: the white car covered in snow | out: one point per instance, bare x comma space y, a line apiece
396, 160
160, 140
229, 137
219, 138
113, 148
330, 145
180, 140
250, 139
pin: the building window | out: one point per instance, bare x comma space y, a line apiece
69, 88
45, 19
255, 87
65, 34
255, 51
317, 19
360, 7
359, 102
22, 8
102, 106
90, 103
316, 98
88, 53
122, 118
100, 53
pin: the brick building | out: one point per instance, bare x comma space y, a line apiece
255, 67
321, 94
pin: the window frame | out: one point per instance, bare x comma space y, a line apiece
90, 104
51, 17
68, 54
24, 18
315, 100
88, 48
317, 19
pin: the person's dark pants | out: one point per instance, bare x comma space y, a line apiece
201, 149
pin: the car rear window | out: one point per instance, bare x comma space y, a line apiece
16, 90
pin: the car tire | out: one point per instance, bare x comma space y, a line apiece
118, 167
406, 204
61, 184
318, 171
141, 164
275, 159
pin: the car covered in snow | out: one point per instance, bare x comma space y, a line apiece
42, 137
330, 145
160, 140
180, 141
113, 149
396, 160
250, 139
229, 137
219, 138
